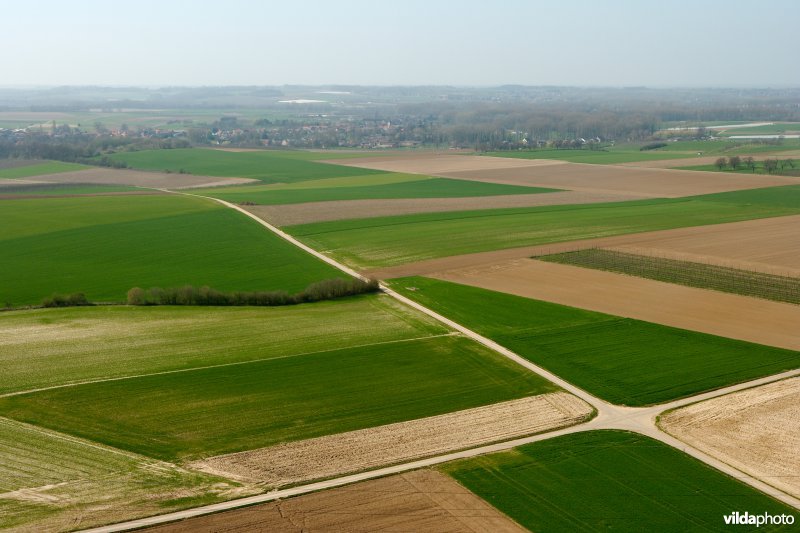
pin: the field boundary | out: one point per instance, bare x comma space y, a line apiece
222, 365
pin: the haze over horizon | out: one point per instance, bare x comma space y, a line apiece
711, 43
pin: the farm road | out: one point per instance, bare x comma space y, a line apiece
609, 417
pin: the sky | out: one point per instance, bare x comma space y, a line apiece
666, 43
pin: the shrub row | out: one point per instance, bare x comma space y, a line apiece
652, 146
66, 300
190, 295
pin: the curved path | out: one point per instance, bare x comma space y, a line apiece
609, 416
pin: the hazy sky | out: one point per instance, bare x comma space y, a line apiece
407, 42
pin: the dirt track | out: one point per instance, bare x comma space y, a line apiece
616, 179
136, 178
769, 245
717, 313
354, 451
422, 500
755, 430
286, 215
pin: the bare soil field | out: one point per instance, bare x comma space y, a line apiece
436, 164
35, 196
137, 178
755, 430
286, 215
14, 182
770, 245
422, 500
354, 451
617, 179
654, 182
699, 160
717, 313
15, 163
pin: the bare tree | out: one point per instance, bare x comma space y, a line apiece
750, 163
721, 163
735, 162
770, 165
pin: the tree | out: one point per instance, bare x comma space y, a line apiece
770, 165
721, 163
735, 162
750, 163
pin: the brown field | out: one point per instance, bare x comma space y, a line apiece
355, 451
14, 163
655, 182
717, 313
755, 430
422, 500
616, 179
697, 160
137, 178
436, 164
35, 196
13, 182
770, 245
286, 215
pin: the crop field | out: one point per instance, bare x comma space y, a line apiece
415, 187
618, 359
594, 157
39, 169
701, 275
421, 500
50, 482
754, 430
103, 246
608, 480
18, 189
387, 241
210, 411
104, 342
265, 166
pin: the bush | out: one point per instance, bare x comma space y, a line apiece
189, 295
66, 300
652, 146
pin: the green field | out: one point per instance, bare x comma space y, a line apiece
62, 189
268, 166
104, 245
39, 169
621, 360
386, 241
702, 275
202, 412
113, 341
609, 481
596, 157
370, 187
74, 482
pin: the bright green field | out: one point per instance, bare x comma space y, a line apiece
386, 241
266, 166
212, 411
595, 157
46, 167
90, 478
105, 245
113, 341
609, 481
379, 186
621, 360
